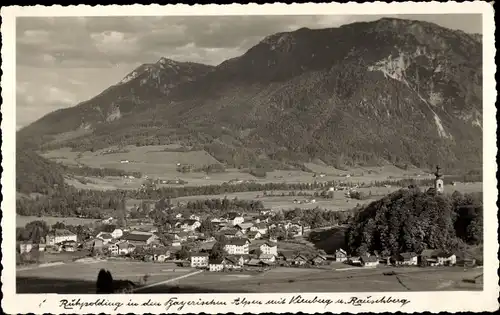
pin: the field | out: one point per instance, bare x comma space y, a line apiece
339, 202
320, 280
22, 220
80, 277
155, 162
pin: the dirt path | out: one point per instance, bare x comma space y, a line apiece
166, 281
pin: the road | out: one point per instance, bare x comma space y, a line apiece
166, 281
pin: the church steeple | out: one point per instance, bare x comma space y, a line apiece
438, 181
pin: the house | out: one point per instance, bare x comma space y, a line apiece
111, 229
255, 263
244, 227
232, 233
105, 237
194, 217
300, 260
340, 255
215, 265
190, 225
369, 261
437, 258
265, 211
199, 260
234, 218
140, 239
107, 221
42, 246
161, 254
113, 249
261, 227
318, 260
269, 248
268, 258
25, 247
262, 219
125, 248
253, 235
354, 260
295, 230
217, 220
234, 262
407, 259
57, 236
446, 259
237, 246
287, 256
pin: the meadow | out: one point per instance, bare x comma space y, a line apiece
321, 280
21, 221
160, 162
80, 277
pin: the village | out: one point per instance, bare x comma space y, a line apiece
236, 242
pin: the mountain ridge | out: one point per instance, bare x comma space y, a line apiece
414, 87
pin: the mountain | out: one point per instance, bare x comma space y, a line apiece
389, 91
40, 174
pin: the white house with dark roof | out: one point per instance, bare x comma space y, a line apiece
234, 218
215, 265
232, 233
269, 248
244, 227
189, 225
253, 235
261, 227
199, 260
237, 246
57, 236
268, 258
340, 255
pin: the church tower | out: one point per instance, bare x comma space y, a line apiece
438, 181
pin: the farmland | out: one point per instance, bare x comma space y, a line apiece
333, 280
80, 277
22, 220
160, 162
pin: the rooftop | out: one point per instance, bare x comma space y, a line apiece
62, 232
138, 237
201, 254
238, 241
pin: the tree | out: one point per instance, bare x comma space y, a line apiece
104, 283
122, 214
207, 227
183, 253
36, 231
258, 252
218, 251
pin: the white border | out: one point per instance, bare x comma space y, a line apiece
420, 301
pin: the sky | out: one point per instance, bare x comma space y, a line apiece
61, 61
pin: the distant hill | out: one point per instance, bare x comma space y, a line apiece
389, 91
35, 174
411, 221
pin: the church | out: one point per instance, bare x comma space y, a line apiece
438, 181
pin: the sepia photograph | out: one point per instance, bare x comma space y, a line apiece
265, 154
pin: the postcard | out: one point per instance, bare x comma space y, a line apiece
249, 158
